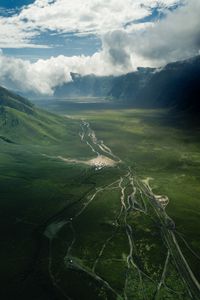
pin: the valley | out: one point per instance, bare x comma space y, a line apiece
105, 207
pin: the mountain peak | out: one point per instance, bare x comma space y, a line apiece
75, 76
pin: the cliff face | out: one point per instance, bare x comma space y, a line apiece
175, 85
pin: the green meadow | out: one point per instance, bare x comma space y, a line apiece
59, 243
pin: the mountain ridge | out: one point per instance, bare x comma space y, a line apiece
175, 85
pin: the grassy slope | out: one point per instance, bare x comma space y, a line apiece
33, 187
22, 122
39, 127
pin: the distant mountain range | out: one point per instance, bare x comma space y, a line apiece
88, 86
175, 85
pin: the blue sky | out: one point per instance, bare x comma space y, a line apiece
58, 43
15, 3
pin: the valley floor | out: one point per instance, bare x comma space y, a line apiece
111, 213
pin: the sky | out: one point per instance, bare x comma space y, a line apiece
42, 41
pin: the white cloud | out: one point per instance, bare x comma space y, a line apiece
15, 34
89, 16
173, 38
78, 16
44, 75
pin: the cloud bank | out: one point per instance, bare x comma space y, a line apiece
44, 75
177, 36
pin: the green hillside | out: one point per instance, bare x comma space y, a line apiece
22, 122
12, 100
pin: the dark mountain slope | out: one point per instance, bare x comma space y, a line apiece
176, 85
129, 87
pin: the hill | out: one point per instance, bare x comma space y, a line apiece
22, 122
9, 99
